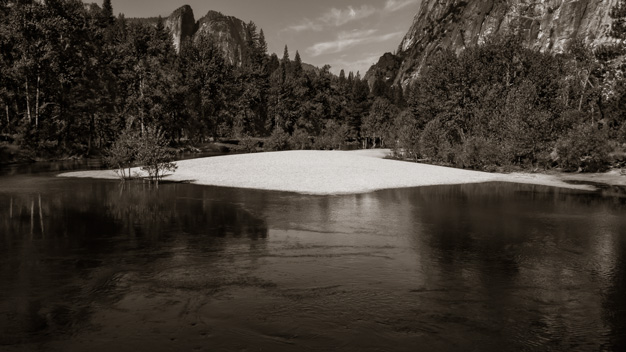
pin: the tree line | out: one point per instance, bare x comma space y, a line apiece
74, 78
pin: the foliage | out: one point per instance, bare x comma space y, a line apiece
73, 77
148, 149
406, 143
479, 153
300, 140
153, 155
249, 144
123, 153
278, 140
584, 148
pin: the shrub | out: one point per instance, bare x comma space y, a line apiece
478, 153
123, 153
249, 144
279, 140
584, 148
323, 142
148, 149
407, 136
300, 140
153, 154
434, 142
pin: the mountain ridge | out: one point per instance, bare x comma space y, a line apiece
545, 25
229, 33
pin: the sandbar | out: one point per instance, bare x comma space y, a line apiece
330, 172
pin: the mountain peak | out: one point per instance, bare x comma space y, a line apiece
182, 24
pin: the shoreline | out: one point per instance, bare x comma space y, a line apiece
343, 172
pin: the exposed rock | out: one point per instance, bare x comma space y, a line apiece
386, 68
182, 24
228, 32
546, 25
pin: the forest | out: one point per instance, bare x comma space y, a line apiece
74, 78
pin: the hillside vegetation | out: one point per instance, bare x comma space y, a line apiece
73, 78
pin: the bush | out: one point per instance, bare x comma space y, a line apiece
249, 144
123, 153
153, 154
585, 149
407, 136
479, 153
279, 140
434, 143
148, 149
300, 140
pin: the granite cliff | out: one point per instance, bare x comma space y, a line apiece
182, 24
546, 25
229, 33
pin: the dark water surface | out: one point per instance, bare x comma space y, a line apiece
91, 265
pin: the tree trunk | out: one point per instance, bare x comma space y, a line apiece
91, 128
140, 105
28, 103
582, 94
37, 103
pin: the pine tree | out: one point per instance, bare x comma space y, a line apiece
285, 55
262, 43
107, 11
285, 64
297, 65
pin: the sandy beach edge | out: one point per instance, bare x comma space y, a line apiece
345, 172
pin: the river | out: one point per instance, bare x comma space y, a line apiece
94, 265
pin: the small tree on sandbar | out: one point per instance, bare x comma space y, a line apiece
123, 153
148, 149
153, 154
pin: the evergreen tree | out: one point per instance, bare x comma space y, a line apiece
107, 11
297, 65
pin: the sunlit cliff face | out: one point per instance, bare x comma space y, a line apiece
229, 33
547, 25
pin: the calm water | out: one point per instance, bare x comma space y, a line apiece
89, 265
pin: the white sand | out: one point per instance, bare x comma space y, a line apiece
326, 172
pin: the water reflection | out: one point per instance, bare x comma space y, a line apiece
494, 266
63, 250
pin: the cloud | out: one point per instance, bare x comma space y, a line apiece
335, 17
346, 40
395, 5
339, 17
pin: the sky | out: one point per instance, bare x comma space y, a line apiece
345, 34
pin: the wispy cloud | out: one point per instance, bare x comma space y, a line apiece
395, 5
360, 64
335, 17
346, 40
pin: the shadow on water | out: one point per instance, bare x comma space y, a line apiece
66, 249
492, 266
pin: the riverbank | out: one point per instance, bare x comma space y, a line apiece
343, 172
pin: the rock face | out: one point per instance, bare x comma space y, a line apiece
547, 25
230, 34
182, 24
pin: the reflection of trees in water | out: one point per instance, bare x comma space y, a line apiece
62, 251
615, 298
521, 246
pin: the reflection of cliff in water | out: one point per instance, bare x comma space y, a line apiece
64, 250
